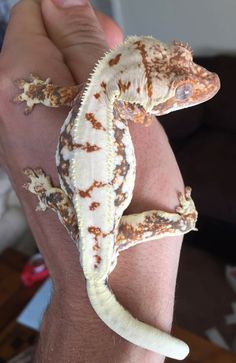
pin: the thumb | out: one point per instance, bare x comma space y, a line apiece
76, 31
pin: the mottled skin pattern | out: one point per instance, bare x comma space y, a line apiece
96, 165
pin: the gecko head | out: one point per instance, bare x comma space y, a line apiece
184, 83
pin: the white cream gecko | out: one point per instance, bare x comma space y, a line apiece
96, 165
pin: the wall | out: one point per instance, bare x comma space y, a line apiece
103, 5
209, 26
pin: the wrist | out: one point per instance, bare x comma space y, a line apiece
83, 337
71, 329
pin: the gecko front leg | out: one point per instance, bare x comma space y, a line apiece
35, 91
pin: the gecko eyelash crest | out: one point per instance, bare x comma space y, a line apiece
96, 165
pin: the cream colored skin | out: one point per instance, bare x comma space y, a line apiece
96, 166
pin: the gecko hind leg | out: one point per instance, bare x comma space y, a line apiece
35, 91
133, 229
155, 224
53, 198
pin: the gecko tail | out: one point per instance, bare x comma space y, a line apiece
124, 324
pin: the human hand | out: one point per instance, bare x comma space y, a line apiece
64, 45
31, 141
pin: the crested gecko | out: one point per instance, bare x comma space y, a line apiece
96, 165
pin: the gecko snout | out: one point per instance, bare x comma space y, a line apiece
210, 86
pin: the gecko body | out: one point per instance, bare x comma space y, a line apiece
96, 165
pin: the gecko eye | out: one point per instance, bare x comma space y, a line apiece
184, 91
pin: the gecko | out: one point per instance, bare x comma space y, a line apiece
96, 165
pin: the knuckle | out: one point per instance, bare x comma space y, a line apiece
6, 86
4, 78
15, 8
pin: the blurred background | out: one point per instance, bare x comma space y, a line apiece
207, 25
204, 142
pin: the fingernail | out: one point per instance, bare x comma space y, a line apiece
69, 3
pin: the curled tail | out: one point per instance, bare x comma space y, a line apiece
123, 323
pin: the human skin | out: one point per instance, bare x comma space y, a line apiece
65, 43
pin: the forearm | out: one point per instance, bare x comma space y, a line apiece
71, 331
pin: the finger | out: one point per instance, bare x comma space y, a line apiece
27, 41
25, 21
112, 31
77, 32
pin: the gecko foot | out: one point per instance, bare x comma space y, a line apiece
53, 198
39, 184
187, 206
32, 91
